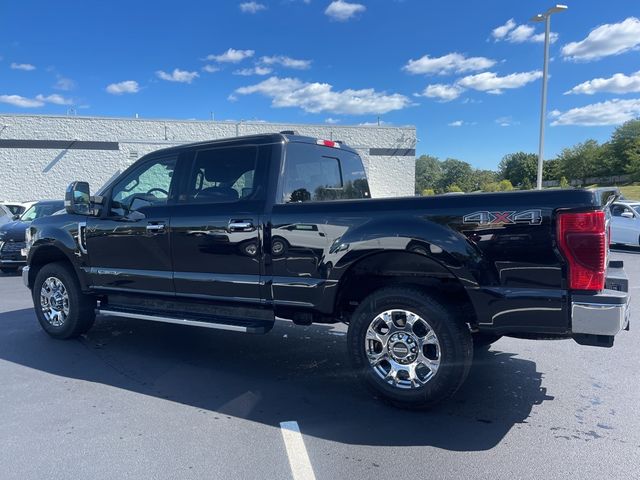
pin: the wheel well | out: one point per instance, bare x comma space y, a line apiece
43, 256
406, 269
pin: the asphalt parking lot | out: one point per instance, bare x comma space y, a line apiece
142, 400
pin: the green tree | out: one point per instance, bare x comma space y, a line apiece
458, 173
481, 178
453, 188
518, 167
564, 183
625, 149
551, 169
526, 184
505, 186
428, 173
427, 192
581, 160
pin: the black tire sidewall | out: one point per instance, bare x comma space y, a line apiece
456, 348
77, 319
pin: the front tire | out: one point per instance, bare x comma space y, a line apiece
408, 347
62, 309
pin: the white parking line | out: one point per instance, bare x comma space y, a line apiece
296, 451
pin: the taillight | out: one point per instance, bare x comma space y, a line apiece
583, 242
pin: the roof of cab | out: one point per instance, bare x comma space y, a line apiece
259, 139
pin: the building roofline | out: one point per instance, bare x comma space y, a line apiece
224, 122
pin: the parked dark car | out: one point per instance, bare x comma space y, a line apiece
12, 234
233, 233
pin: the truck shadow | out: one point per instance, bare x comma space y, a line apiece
293, 373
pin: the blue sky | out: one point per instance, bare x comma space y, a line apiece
472, 91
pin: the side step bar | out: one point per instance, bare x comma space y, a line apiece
248, 328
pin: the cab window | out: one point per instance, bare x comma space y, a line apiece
314, 173
223, 175
148, 185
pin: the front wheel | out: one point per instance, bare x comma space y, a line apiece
408, 347
62, 309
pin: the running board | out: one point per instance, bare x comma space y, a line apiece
254, 327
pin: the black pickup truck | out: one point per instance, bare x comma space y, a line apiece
231, 234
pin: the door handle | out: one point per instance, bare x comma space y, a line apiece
156, 228
241, 226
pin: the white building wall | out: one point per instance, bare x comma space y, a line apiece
34, 173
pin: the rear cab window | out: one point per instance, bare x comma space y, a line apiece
314, 173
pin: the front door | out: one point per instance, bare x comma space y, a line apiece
217, 225
129, 246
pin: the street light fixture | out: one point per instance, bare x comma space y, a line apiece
546, 18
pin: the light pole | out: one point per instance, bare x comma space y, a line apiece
546, 18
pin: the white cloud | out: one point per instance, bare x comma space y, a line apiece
443, 92
39, 101
180, 76
490, 82
331, 121
64, 83
231, 56
342, 11
252, 7
611, 112
287, 62
500, 32
447, 64
618, 83
380, 123
258, 70
513, 33
19, 101
54, 98
27, 67
507, 121
320, 97
605, 40
210, 69
128, 86
456, 123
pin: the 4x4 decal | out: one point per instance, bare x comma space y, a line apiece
531, 217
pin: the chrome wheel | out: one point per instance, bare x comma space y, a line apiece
402, 349
54, 301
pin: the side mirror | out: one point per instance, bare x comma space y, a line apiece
15, 217
77, 199
627, 215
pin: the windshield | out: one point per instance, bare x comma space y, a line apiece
40, 210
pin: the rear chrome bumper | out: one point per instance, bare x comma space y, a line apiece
603, 314
597, 318
25, 276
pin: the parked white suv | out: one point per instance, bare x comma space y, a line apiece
625, 222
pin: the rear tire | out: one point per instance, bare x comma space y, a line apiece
62, 309
412, 366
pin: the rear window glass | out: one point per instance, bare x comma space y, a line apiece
315, 173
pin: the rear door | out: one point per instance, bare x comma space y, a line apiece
303, 227
217, 230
